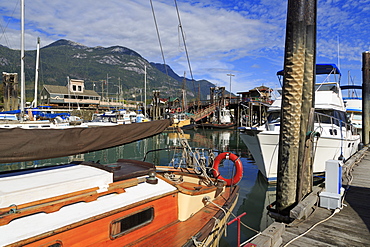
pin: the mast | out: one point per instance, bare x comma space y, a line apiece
22, 61
144, 91
69, 93
184, 103
34, 103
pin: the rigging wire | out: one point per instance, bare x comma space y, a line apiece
159, 37
183, 39
4, 28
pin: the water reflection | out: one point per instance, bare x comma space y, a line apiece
255, 193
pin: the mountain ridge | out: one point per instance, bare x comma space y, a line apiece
120, 66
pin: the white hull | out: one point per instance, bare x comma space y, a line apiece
264, 147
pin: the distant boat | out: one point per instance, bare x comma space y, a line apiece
353, 104
222, 119
336, 138
12, 120
180, 120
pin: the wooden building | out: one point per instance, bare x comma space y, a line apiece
254, 104
73, 95
257, 94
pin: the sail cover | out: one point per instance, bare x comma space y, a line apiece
18, 144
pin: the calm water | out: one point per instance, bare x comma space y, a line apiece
255, 193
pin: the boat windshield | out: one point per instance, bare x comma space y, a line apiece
273, 117
104, 119
331, 117
357, 116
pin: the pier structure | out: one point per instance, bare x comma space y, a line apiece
253, 106
10, 85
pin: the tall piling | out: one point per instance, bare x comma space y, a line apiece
305, 162
365, 97
294, 62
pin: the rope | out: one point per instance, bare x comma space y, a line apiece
207, 199
337, 210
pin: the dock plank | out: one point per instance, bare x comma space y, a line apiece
349, 227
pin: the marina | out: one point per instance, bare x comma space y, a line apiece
103, 168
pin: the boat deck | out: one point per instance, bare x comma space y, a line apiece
349, 227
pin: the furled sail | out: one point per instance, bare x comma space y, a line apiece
18, 144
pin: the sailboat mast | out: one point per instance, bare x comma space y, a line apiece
184, 104
37, 71
145, 90
22, 61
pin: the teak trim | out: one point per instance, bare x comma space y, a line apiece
54, 204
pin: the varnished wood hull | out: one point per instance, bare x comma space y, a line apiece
179, 213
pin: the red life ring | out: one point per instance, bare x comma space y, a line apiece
237, 163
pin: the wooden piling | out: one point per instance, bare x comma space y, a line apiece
305, 159
365, 97
291, 106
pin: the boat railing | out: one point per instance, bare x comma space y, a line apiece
336, 124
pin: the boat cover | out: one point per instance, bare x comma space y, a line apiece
321, 69
350, 87
18, 144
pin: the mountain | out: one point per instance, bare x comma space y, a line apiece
191, 85
121, 66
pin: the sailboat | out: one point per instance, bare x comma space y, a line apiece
129, 202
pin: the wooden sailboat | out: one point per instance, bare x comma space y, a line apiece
121, 204
128, 203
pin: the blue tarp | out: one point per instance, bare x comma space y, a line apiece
11, 112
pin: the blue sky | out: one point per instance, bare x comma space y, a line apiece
242, 37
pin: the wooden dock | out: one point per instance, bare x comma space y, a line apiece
350, 226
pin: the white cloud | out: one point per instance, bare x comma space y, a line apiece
233, 35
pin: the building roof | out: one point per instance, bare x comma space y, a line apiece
64, 90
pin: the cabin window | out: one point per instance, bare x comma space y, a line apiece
131, 222
74, 88
80, 88
55, 245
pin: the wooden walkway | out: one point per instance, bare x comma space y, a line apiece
349, 227
204, 112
